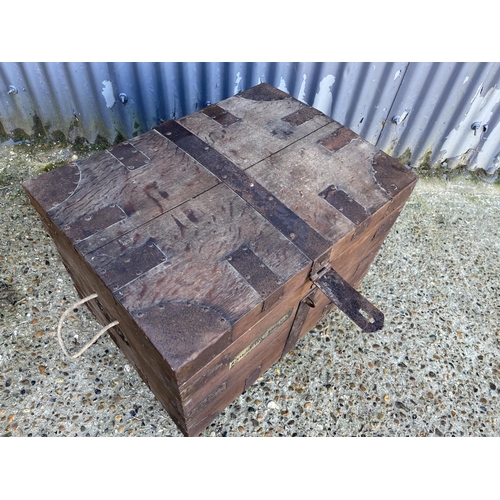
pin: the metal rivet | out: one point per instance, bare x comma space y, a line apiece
12, 90
395, 119
123, 98
475, 126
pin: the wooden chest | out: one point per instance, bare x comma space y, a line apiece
218, 240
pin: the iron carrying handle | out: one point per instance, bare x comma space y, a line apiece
350, 301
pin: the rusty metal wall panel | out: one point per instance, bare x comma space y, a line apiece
82, 99
420, 112
430, 122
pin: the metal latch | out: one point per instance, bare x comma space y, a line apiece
321, 272
348, 300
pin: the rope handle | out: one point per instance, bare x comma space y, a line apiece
93, 341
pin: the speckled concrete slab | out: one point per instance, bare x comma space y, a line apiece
434, 370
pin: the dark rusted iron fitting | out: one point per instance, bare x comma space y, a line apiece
351, 302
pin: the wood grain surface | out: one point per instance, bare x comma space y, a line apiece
168, 179
263, 127
195, 241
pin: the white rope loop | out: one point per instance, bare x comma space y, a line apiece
93, 341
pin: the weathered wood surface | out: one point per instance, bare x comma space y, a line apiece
258, 128
302, 173
167, 178
201, 238
194, 243
311, 242
240, 353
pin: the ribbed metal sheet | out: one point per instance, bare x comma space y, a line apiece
420, 112
431, 119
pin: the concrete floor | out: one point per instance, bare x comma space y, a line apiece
434, 370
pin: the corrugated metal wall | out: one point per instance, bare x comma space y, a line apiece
420, 112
